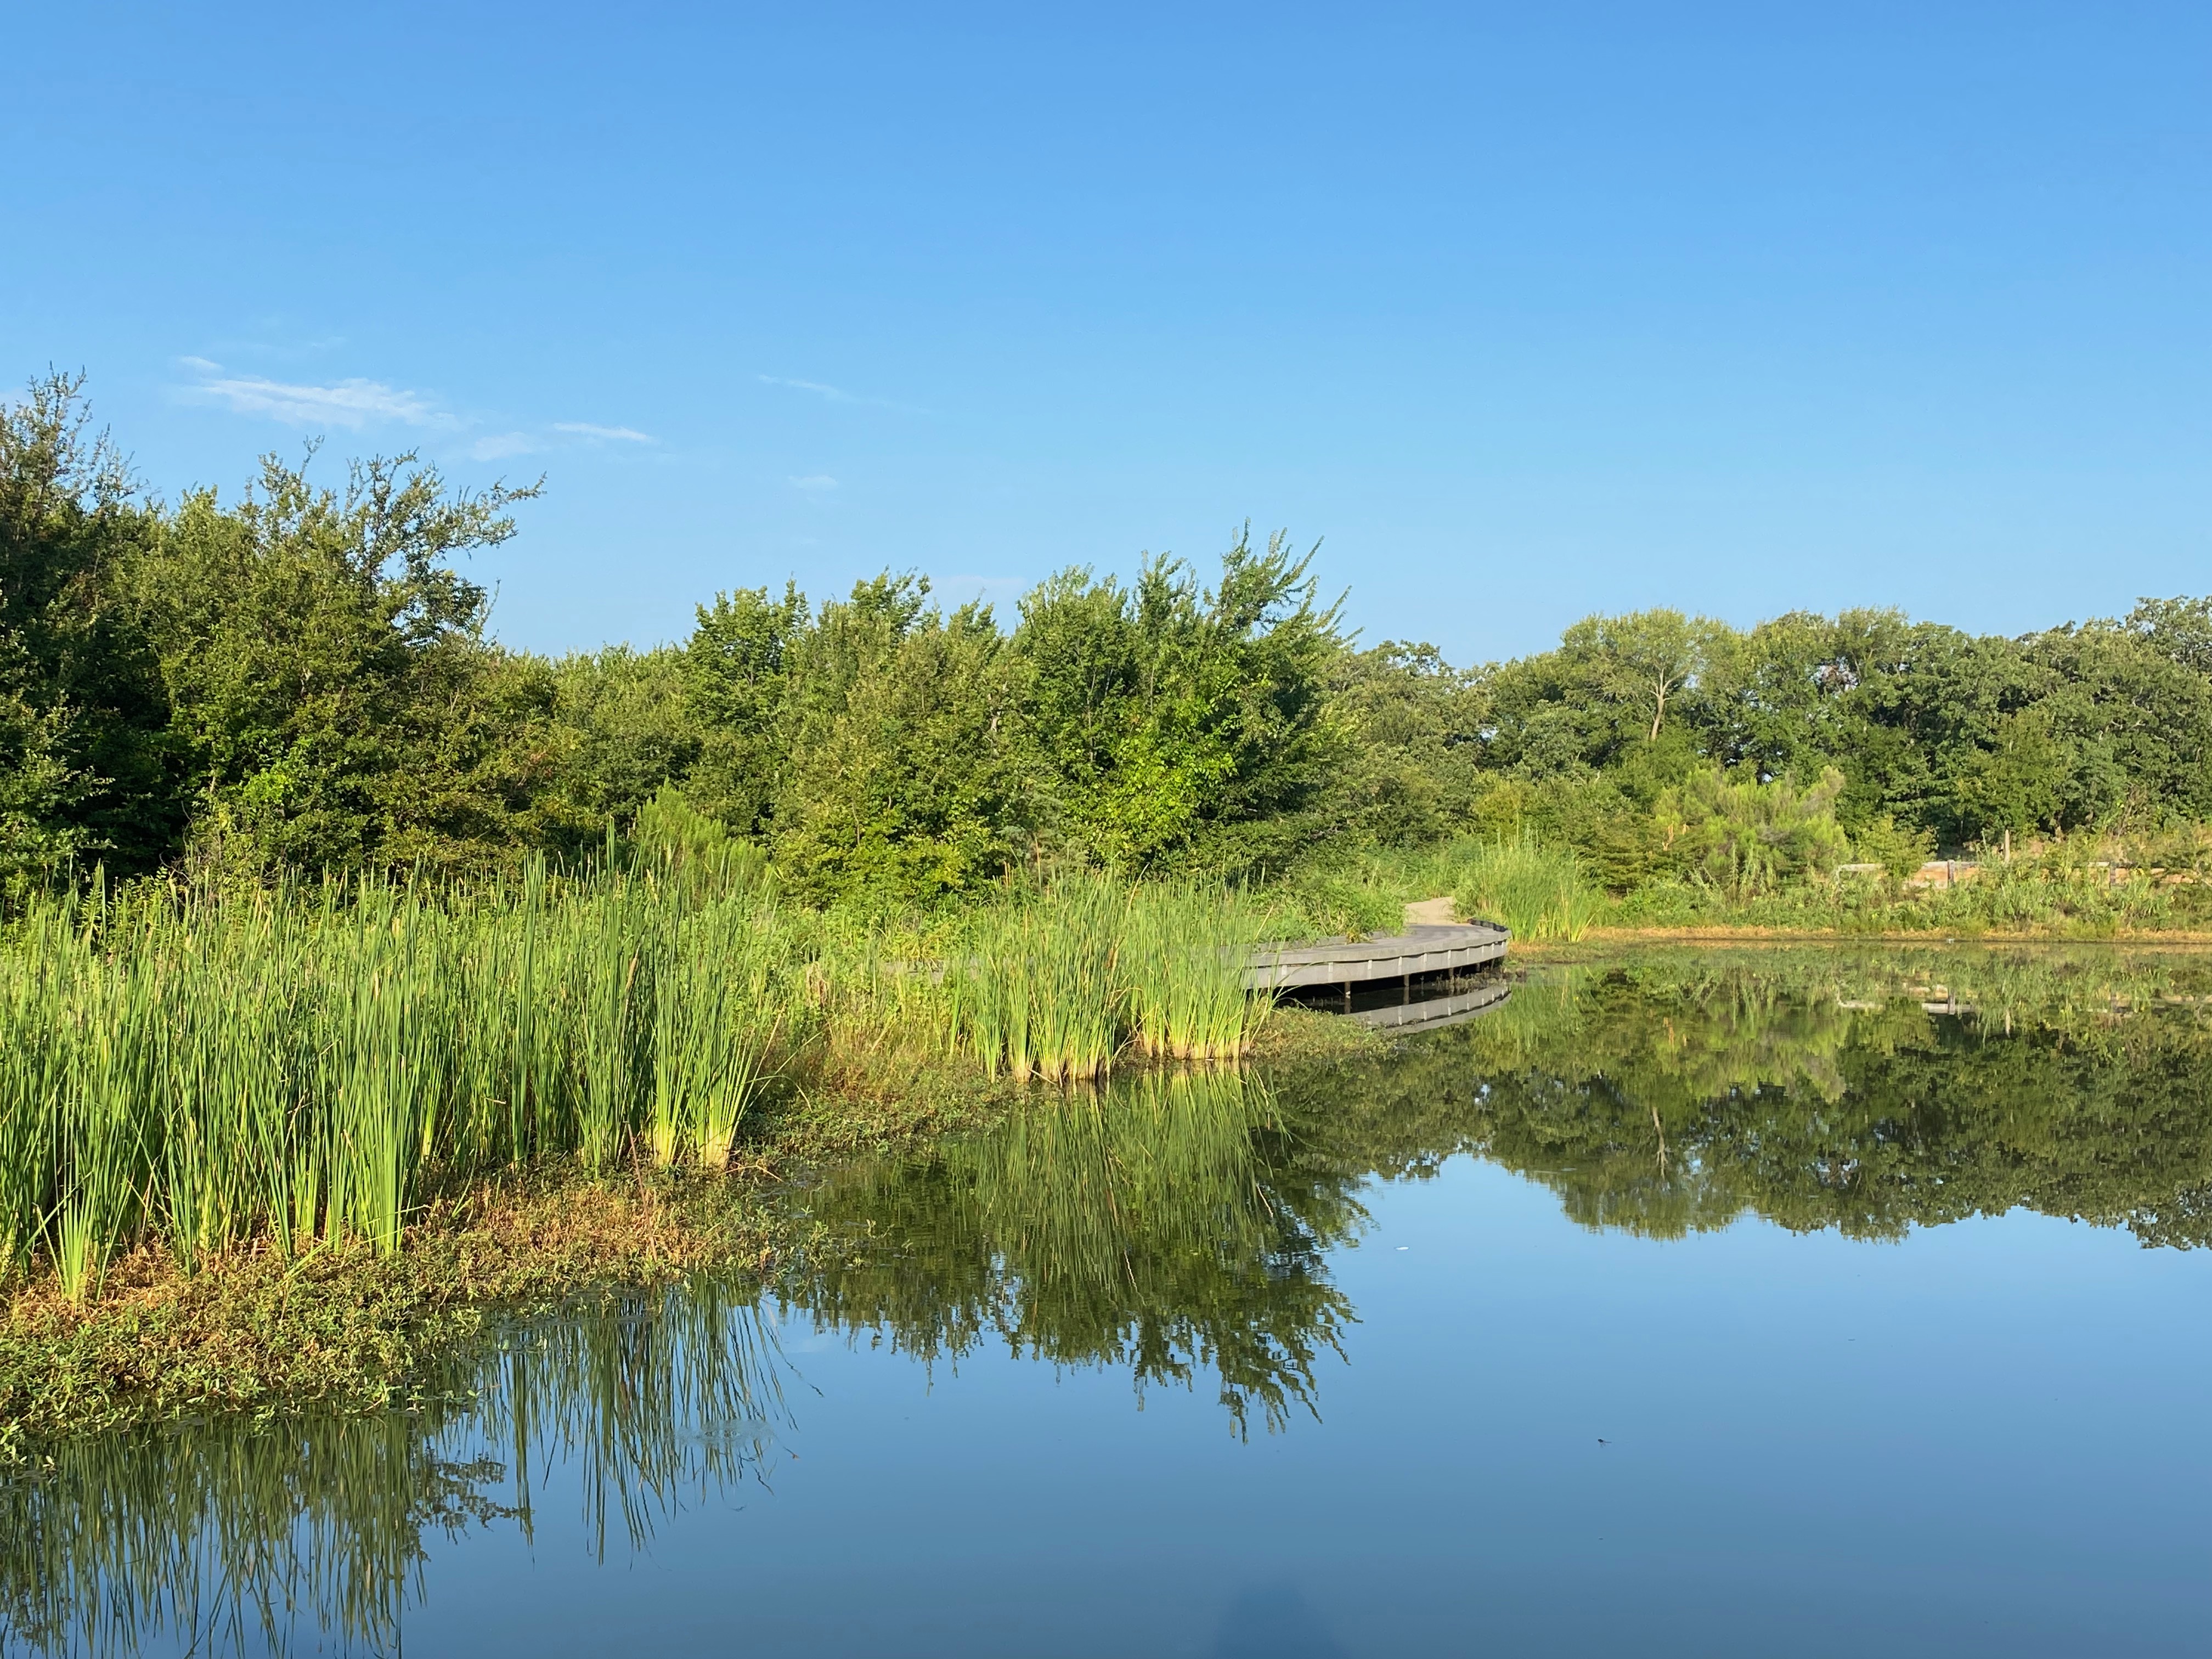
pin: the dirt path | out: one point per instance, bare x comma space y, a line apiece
1430, 913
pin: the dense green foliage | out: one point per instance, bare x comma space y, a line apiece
300, 677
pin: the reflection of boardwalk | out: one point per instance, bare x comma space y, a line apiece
1429, 1012
1454, 947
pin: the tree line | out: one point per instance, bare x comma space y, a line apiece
302, 677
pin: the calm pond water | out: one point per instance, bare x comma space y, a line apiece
1792, 1304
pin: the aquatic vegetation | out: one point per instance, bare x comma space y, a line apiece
1540, 892
201, 1067
1034, 982
1184, 952
1053, 985
1177, 1227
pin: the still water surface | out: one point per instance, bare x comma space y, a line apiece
1800, 1304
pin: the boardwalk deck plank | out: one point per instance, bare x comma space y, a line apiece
1433, 949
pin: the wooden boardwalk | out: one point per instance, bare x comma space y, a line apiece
1434, 949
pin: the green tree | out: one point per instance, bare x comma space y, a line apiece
2178, 630
736, 675
1415, 724
904, 773
317, 646
624, 725
1646, 658
1182, 726
85, 765
2130, 725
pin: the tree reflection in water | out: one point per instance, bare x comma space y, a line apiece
1869, 1093
1176, 1225
1149, 1224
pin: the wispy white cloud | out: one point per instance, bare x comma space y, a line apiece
356, 404
501, 445
816, 483
352, 403
837, 394
621, 435
830, 393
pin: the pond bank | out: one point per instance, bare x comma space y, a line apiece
346, 1327
1601, 940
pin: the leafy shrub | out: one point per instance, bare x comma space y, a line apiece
1901, 852
1749, 837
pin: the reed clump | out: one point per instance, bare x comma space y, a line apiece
204, 1068
200, 1069
1542, 893
1187, 948
1056, 984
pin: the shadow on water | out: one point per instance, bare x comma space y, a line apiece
1177, 1227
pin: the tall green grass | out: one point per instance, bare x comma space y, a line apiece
204, 1068
200, 1068
1056, 984
1185, 947
1540, 892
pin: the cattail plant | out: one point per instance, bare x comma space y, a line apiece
196, 1068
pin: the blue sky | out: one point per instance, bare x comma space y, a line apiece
1525, 312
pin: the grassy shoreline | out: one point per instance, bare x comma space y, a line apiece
1545, 892
345, 1322
344, 1326
1601, 939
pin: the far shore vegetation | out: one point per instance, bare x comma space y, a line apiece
359, 974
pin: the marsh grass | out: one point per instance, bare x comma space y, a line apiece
1034, 983
1540, 892
1056, 984
307, 1065
204, 1068
1185, 950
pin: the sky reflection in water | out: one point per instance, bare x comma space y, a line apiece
1685, 1305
